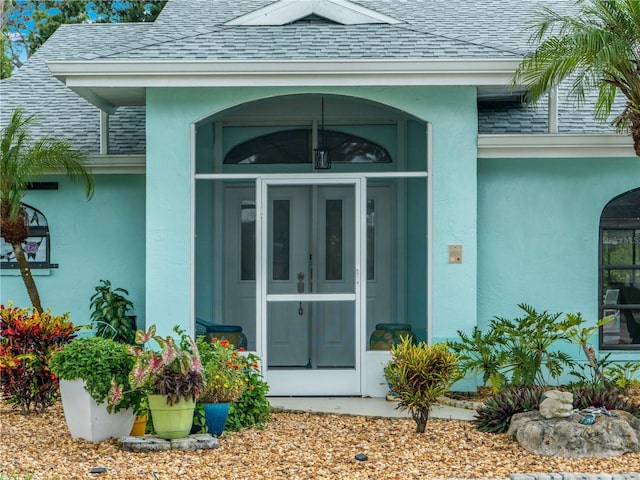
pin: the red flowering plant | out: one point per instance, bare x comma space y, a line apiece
175, 370
28, 339
224, 371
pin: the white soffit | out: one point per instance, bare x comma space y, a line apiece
283, 12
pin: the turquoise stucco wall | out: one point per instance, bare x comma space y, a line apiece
538, 223
90, 240
452, 111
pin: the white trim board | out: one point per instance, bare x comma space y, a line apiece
108, 84
118, 163
578, 145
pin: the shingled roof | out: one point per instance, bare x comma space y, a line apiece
199, 29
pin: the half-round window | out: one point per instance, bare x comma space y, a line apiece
37, 247
619, 294
294, 146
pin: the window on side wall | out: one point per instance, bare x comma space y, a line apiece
619, 294
37, 247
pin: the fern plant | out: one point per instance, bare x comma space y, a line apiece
110, 307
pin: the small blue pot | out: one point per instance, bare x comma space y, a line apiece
215, 415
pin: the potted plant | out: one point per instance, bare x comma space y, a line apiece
110, 307
171, 378
87, 368
226, 380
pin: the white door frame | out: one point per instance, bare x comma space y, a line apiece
308, 382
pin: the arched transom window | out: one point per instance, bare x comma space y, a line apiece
294, 146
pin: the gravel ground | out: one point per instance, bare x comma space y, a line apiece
294, 446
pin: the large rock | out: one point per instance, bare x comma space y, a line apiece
556, 404
566, 437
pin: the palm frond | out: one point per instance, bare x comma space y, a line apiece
22, 159
599, 48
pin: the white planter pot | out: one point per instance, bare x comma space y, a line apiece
86, 419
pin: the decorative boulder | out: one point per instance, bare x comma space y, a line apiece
556, 404
567, 437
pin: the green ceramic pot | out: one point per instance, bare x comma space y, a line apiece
171, 421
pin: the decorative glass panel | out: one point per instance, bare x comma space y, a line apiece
371, 239
333, 240
248, 240
294, 146
281, 239
289, 146
36, 247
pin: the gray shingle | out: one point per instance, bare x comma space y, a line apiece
195, 29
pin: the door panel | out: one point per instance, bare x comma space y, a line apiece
239, 277
334, 326
288, 247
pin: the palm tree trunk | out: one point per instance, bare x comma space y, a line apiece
635, 130
27, 278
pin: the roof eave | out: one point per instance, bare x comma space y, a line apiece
98, 75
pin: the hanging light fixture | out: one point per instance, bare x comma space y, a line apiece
321, 154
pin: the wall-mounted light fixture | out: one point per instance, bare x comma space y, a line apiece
321, 154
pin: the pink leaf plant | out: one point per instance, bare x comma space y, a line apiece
174, 371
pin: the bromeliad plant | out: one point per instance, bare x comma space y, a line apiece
175, 371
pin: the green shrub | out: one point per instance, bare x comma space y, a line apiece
27, 342
252, 409
527, 342
418, 375
479, 353
99, 362
494, 416
623, 375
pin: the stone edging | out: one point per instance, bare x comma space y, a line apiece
466, 404
574, 476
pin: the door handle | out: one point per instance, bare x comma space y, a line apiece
300, 290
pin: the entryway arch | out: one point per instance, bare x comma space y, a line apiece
355, 214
